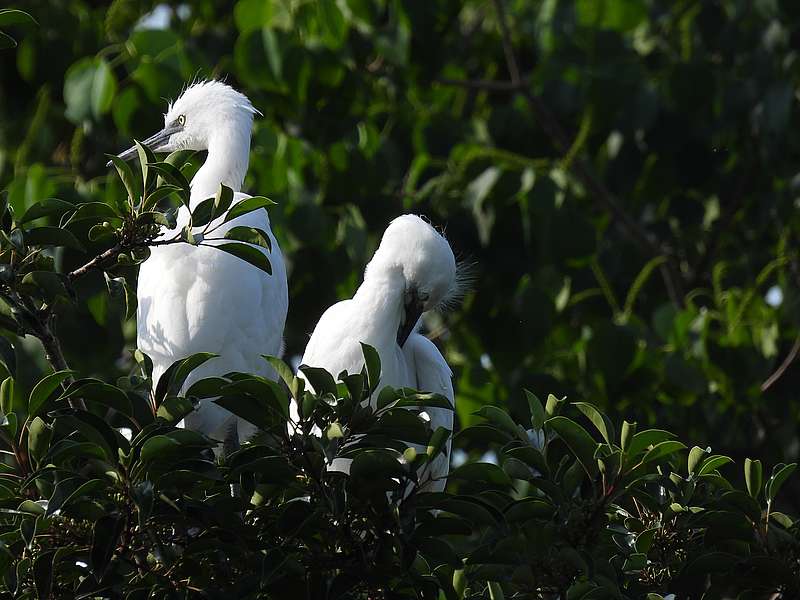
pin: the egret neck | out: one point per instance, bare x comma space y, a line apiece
380, 302
227, 160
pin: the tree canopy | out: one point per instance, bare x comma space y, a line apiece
622, 175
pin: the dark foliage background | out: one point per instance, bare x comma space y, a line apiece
627, 190
623, 174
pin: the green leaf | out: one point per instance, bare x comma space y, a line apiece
662, 450
376, 464
248, 254
712, 463
500, 418
156, 196
43, 565
173, 378
248, 205
94, 211
52, 236
208, 387
104, 86
472, 509
13, 16
372, 362
222, 201
105, 536
696, 455
782, 519
146, 157
175, 408
251, 235
173, 176
46, 208
578, 440
6, 41
482, 471
754, 477
256, 400
8, 356
626, 435
598, 419
553, 405
45, 389
157, 447
320, 380
295, 384
639, 282
88, 488
644, 439
118, 287
780, 474
527, 509
537, 410
130, 182
437, 552
39, 436
99, 392
437, 442
46, 285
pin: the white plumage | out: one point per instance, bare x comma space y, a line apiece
412, 271
196, 299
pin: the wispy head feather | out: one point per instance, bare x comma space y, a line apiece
466, 275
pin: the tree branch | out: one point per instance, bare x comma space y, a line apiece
772, 379
98, 261
95, 263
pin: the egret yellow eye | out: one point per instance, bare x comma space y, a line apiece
182, 120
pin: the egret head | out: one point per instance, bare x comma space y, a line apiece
203, 111
423, 256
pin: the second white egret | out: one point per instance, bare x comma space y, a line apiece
412, 271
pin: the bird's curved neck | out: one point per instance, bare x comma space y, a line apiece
380, 299
227, 160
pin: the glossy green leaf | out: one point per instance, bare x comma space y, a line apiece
52, 236
248, 205
45, 389
780, 473
577, 439
248, 254
753, 476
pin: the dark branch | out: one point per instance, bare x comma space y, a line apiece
102, 260
96, 263
772, 379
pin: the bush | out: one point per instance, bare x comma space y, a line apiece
565, 513
86, 511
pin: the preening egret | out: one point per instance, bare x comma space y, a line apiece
197, 299
412, 271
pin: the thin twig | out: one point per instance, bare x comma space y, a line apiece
99, 261
96, 262
784, 365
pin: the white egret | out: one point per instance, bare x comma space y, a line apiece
412, 271
199, 299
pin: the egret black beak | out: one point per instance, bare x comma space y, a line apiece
413, 310
154, 142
